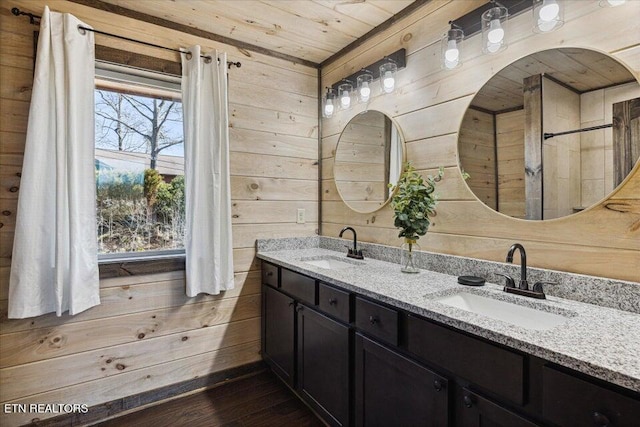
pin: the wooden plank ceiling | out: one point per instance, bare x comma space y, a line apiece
312, 30
579, 69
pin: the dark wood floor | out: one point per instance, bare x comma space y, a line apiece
259, 400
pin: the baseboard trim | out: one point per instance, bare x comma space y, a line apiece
116, 407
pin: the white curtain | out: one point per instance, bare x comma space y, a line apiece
208, 242
54, 267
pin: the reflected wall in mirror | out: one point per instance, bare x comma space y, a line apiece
369, 156
551, 134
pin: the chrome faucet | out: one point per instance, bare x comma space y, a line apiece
352, 253
523, 264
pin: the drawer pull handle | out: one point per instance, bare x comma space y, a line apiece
373, 320
299, 308
291, 304
333, 301
437, 385
600, 420
269, 273
468, 401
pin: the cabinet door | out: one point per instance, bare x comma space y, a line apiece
278, 333
473, 410
323, 365
392, 390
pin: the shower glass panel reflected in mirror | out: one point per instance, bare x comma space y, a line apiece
551, 134
369, 157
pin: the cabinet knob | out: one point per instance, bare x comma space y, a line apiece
373, 320
333, 301
468, 401
437, 385
600, 420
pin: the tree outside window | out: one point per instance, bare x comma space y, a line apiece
139, 169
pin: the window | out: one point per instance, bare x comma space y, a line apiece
139, 162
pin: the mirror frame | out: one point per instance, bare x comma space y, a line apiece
404, 160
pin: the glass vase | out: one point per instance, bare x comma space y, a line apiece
407, 258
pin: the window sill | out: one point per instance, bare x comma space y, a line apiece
122, 265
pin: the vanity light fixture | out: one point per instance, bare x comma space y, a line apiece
548, 15
364, 82
388, 76
451, 49
329, 103
494, 28
345, 95
612, 3
342, 94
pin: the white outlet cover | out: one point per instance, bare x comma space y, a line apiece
300, 217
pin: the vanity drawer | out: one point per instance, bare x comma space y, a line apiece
334, 302
270, 274
376, 320
495, 369
568, 400
298, 286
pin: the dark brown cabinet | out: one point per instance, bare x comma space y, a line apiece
591, 404
354, 360
323, 365
391, 390
474, 410
278, 333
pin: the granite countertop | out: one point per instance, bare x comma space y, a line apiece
598, 341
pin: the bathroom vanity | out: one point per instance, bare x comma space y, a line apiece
363, 344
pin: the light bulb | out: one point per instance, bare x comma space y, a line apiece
452, 53
345, 99
365, 91
328, 109
496, 33
388, 82
614, 3
549, 11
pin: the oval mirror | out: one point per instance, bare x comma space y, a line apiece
551, 134
369, 156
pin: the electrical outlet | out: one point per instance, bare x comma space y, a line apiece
300, 217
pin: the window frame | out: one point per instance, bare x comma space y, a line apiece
112, 72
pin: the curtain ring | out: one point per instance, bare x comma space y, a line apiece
188, 55
207, 59
82, 30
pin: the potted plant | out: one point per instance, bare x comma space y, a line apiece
413, 204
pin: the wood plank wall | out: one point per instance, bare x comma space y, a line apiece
146, 333
477, 154
429, 106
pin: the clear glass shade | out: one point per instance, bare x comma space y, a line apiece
494, 29
451, 49
345, 96
329, 104
388, 77
364, 87
548, 15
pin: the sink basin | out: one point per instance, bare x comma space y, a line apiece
518, 315
330, 262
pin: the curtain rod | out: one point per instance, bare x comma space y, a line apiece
33, 18
551, 135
